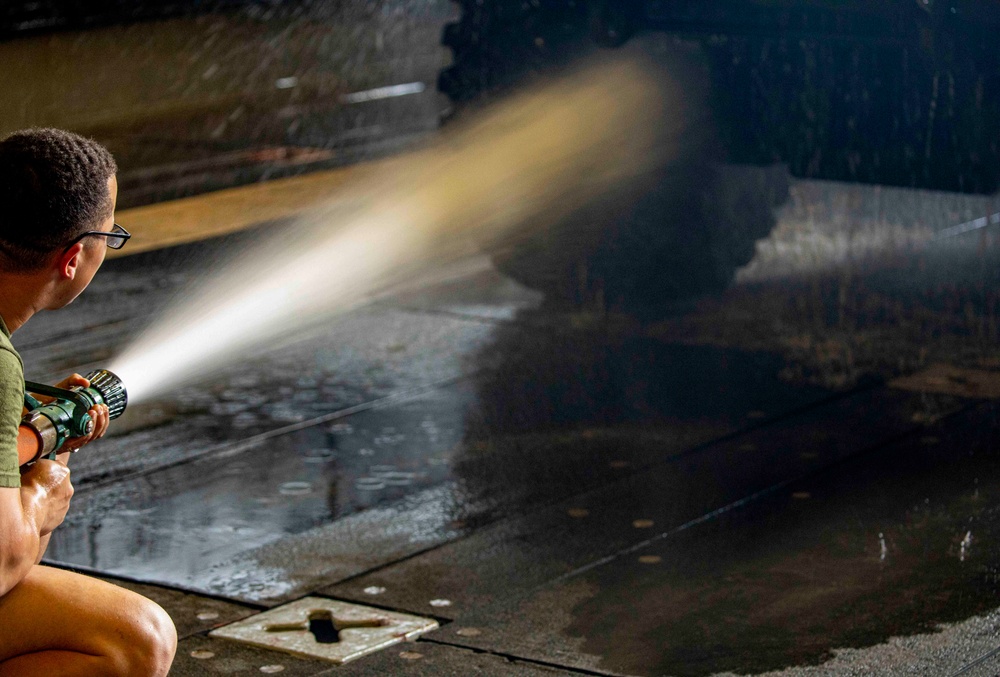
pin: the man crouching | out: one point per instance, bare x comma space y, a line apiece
57, 216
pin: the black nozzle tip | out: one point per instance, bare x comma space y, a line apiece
112, 390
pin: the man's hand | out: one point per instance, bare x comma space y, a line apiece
45, 492
99, 414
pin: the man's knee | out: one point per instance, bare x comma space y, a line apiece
151, 643
116, 632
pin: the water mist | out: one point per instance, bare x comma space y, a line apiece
533, 158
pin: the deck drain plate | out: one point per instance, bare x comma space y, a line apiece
327, 629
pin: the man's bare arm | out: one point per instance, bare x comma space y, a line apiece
28, 515
18, 538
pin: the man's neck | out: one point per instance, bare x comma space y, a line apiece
21, 296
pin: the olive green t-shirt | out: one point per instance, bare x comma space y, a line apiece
11, 404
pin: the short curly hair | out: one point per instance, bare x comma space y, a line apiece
53, 186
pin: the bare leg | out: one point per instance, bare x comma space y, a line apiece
61, 624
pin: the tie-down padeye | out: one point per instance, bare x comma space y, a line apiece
327, 629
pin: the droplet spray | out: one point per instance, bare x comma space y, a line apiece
536, 157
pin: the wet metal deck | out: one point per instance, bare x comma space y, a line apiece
565, 493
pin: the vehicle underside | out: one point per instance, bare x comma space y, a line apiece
890, 92
894, 92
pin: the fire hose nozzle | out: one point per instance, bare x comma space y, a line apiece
67, 414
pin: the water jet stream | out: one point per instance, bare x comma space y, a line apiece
537, 157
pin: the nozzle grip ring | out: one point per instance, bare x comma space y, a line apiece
48, 434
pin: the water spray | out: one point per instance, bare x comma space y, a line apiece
535, 158
67, 415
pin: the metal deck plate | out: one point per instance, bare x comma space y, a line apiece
945, 379
315, 627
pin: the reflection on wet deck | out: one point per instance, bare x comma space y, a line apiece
739, 467
795, 474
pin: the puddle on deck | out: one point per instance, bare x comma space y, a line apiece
510, 439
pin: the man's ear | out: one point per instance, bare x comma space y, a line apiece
68, 262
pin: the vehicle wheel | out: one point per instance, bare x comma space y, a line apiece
497, 43
679, 232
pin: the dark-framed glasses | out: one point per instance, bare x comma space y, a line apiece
117, 237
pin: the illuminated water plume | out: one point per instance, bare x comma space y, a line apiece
535, 158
